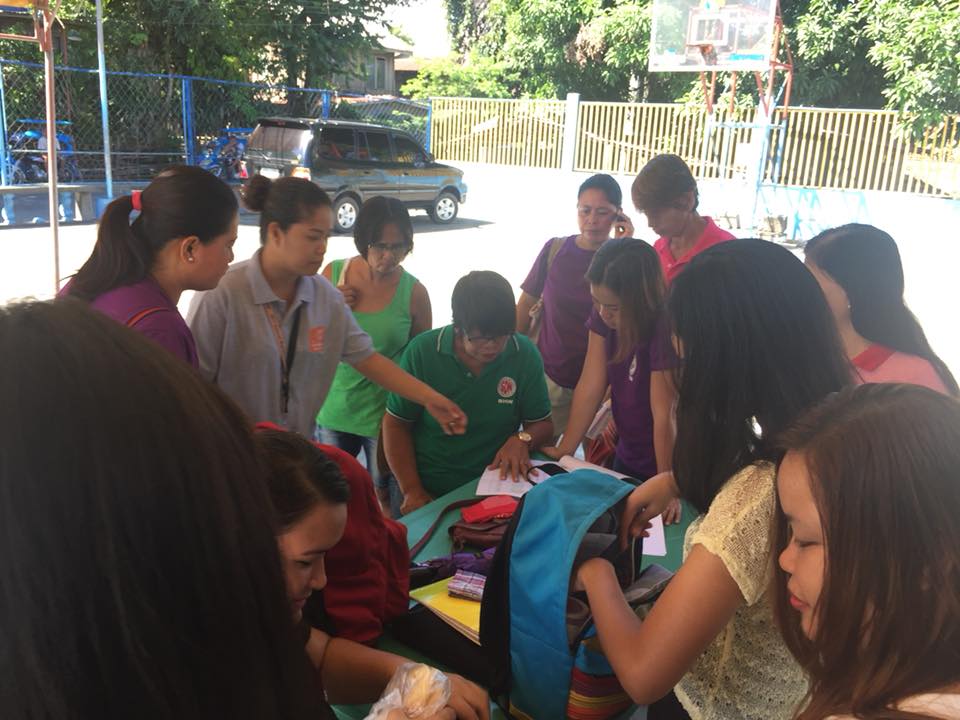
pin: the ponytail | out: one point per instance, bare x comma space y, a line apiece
117, 258
180, 203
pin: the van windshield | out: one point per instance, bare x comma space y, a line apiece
281, 141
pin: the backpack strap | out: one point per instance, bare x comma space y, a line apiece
419, 545
135, 319
555, 245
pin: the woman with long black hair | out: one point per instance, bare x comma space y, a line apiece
141, 577
859, 269
757, 347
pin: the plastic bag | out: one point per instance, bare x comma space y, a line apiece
414, 691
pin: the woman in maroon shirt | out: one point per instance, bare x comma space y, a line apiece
181, 239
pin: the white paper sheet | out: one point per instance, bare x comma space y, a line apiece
491, 484
656, 542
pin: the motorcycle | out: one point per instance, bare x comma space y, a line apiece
28, 156
222, 156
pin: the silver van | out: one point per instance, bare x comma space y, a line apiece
354, 161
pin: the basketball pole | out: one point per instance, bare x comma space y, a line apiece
763, 116
45, 33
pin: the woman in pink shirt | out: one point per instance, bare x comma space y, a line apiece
859, 269
666, 192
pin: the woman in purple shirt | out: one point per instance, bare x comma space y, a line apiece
181, 239
556, 290
628, 349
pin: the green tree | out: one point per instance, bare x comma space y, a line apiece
898, 54
830, 45
535, 39
466, 23
616, 43
480, 76
917, 44
300, 43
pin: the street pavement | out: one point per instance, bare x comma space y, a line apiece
509, 214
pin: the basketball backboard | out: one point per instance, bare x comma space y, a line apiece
698, 35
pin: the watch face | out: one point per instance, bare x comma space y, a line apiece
525, 436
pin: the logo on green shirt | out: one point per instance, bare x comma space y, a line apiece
507, 387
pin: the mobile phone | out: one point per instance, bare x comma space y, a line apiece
620, 219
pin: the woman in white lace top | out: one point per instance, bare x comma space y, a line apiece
758, 347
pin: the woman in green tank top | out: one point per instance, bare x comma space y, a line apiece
391, 306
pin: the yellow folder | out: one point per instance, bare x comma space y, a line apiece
462, 615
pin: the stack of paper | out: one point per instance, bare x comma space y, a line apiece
462, 615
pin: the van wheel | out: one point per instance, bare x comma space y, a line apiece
444, 209
345, 212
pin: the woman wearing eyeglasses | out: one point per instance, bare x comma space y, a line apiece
391, 306
556, 298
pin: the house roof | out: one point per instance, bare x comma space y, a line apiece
389, 42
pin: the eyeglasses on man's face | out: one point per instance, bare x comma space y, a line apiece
487, 341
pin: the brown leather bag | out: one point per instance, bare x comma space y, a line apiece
481, 535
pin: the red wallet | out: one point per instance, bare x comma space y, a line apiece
495, 506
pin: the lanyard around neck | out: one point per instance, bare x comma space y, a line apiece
287, 351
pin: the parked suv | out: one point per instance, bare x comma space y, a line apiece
354, 161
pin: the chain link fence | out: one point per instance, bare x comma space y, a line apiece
158, 120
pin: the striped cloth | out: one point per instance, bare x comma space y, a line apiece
467, 585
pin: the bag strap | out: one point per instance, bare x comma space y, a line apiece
342, 280
555, 245
135, 319
419, 545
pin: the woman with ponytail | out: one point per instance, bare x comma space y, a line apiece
181, 239
859, 269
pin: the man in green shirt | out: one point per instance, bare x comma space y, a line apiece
493, 373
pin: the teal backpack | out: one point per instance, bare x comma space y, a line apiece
538, 635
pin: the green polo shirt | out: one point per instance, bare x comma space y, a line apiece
509, 391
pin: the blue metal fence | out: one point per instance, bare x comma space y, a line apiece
160, 119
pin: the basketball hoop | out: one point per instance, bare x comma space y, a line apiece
715, 36
710, 37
